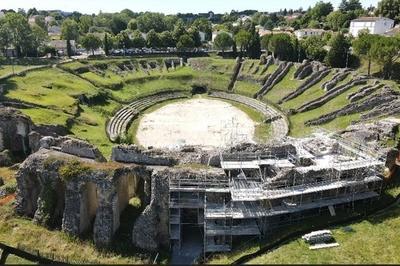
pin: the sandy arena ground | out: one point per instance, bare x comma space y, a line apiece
202, 122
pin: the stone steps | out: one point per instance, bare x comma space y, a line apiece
278, 75
118, 124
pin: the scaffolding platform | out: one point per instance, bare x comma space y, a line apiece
249, 228
257, 211
255, 164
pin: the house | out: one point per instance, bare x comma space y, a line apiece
203, 36
2, 14
375, 25
61, 46
54, 30
215, 34
49, 19
262, 31
304, 33
244, 18
32, 20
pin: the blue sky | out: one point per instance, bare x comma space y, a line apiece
165, 6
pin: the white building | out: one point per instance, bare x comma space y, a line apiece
304, 33
202, 36
54, 30
215, 34
49, 19
61, 46
375, 25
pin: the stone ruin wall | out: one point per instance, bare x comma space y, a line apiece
93, 197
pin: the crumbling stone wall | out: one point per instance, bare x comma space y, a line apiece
91, 193
14, 130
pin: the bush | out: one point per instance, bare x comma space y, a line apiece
72, 169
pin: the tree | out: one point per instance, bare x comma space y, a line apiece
123, 41
41, 22
107, 44
385, 51
137, 40
362, 47
91, 42
321, 9
133, 25
85, 23
119, 22
281, 46
254, 46
179, 30
205, 26
313, 47
185, 42
19, 31
389, 9
69, 31
38, 39
223, 41
167, 40
338, 53
195, 35
350, 5
5, 35
151, 21
337, 20
153, 40
242, 39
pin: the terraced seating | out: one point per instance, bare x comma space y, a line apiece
377, 102
280, 127
119, 123
308, 83
273, 79
364, 92
341, 75
330, 95
236, 71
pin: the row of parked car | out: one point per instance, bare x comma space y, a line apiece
136, 51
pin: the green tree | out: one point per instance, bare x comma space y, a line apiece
38, 38
123, 41
337, 20
350, 5
313, 47
91, 42
179, 30
320, 10
223, 41
5, 35
167, 40
362, 47
242, 39
69, 31
265, 41
254, 46
85, 23
205, 26
153, 40
151, 21
133, 25
385, 51
338, 53
19, 32
107, 44
185, 42
137, 40
281, 45
389, 9
41, 22
119, 22
195, 35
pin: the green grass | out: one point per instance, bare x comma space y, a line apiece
246, 88
310, 94
41, 116
90, 126
52, 88
374, 241
285, 86
9, 69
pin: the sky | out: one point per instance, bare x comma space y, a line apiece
164, 6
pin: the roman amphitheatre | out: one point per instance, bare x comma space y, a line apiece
174, 159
